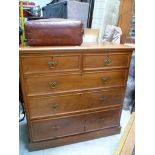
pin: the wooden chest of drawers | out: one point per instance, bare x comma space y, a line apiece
72, 94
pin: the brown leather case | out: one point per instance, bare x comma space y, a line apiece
54, 32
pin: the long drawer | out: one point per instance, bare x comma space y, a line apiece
50, 63
71, 103
102, 61
54, 128
65, 83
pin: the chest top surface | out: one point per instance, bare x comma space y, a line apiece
84, 48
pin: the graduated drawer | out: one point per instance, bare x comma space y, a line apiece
103, 119
54, 128
50, 63
54, 84
63, 104
104, 79
102, 61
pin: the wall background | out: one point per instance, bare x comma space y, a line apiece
105, 13
41, 2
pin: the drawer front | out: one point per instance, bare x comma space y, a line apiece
50, 63
101, 120
102, 99
62, 104
50, 129
104, 79
101, 61
41, 107
54, 84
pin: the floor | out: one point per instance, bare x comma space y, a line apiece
101, 146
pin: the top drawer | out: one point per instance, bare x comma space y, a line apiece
102, 61
50, 63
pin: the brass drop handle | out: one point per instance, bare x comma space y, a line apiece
104, 98
52, 84
105, 79
55, 106
52, 64
55, 127
107, 61
100, 119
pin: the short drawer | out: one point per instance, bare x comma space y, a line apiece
101, 61
103, 119
54, 128
52, 105
104, 79
54, 84
102, 99
50, 63
63, 104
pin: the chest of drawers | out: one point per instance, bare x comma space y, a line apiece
73, 94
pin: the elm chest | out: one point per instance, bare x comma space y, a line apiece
73, 94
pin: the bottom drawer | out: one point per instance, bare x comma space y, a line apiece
50, 129
60, 127
103, 119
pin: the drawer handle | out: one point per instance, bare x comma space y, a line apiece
52, 84
105, 79
55, 127
55, 106
52, 64
100, 119
107, 61
104, 98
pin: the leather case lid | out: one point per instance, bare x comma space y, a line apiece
56, 32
